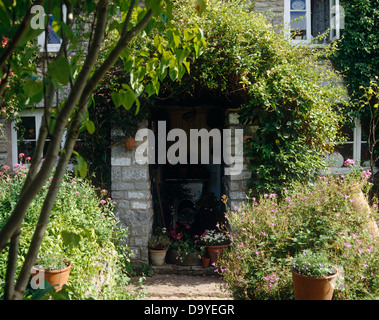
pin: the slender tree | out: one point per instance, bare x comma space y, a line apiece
81, 74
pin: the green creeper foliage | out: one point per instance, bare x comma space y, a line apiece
287, 94
357, 55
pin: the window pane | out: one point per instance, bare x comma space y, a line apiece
298, 5
27, 148
365, 155
52, 37
298, 24
346, 150
27, 129
320, 19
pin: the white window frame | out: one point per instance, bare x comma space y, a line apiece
357, 149
51, 47
37, 114
287, 21
335, 21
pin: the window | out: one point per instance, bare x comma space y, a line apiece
25, 134
307, 19
53, 40
356, 148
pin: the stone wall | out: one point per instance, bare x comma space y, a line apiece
235, 185
273, 9
131, 191
5, 143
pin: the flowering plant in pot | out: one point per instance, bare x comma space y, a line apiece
56, 270
184, 250
216, 241
313, 276
158, 245
205, 258
188, 254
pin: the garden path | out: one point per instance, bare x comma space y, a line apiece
183, 287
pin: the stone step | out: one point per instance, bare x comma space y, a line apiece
185, 270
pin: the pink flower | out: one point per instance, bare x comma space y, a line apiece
366, 174
28, 158
349, 162
103, 202
21, 155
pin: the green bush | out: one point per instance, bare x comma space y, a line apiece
268, 232
82, 228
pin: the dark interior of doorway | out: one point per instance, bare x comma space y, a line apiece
187, 197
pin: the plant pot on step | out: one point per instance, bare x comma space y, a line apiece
171, 256
157, 257
206, 261
56, 278
130, 143
191, 259
314, 288
215, 251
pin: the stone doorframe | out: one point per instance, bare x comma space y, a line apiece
131, 189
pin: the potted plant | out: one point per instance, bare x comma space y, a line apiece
187, 254
205, 259
313, 276
216, 242
129, 122
56, 270
158, 245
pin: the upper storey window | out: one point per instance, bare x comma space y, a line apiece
307, 19
53, 40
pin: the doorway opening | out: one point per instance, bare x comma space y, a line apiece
187, 196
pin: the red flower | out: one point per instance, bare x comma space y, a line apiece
4, 42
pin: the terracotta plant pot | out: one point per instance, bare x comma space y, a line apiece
215, 251
191, 260
130, 143
157, 257
206, 261
314, 288
172, 256
56, 278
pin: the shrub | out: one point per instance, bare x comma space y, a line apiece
82, 228
269, 231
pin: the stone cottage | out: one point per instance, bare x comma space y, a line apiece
156, 193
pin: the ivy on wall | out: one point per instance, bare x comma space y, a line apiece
358, 50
